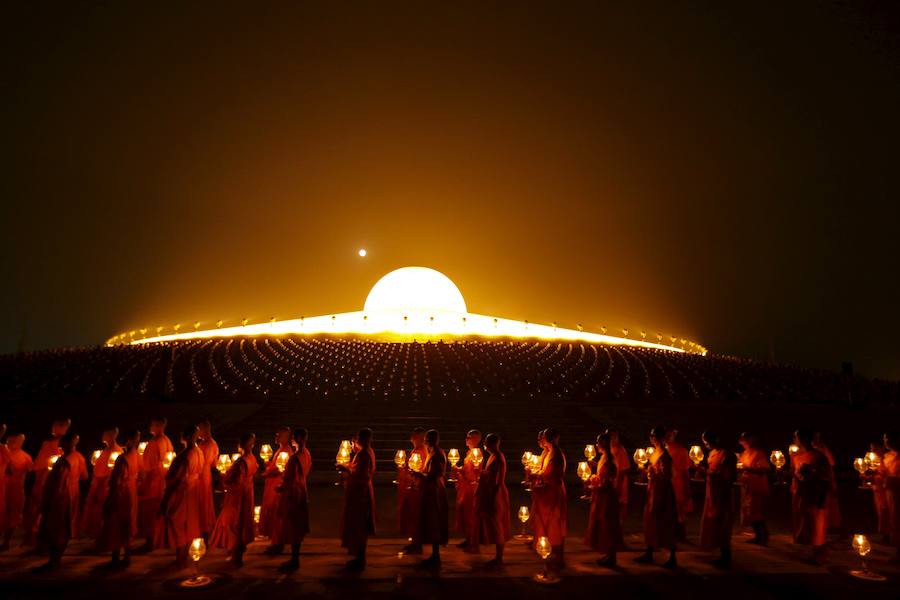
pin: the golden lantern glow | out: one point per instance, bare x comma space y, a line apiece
860, 465
265, 452
343, 455
453, 457
584, 471
257, 511
223, 463
111, 462
52, 462
861, 544
696, 454
95, 456
641, 458
235, 456
281, 460
793, 449
739, 464
526, 458
777, 459
415, 301
650, 450
543, 547
400, 458
590, 451
415, 462
872, 460
477, 457
535, 463
524, 514
141, 447
197, 549
167, 461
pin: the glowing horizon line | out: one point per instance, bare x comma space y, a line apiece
411, 323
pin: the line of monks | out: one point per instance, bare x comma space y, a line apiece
148, 490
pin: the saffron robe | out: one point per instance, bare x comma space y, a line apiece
409, 500
660, 511
120, 509
180, 511
435, 509
152, 483
718, 515
549, 509
268, 512
40, 466
812, 479
358, 514
492, 503
681, 479
604, 530
754, 486
890, 466
293, 505
879, 499
466, 481
210, 450
235, 524
60, 503
623, 466
20, 464
92, 515
4, 467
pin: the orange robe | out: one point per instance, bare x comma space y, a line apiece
660, 512
358, 515
831, 502
604, 530
293, 505
92, 515
681, 479
492, 503
409, 500
879, 499
268, 512
210, 450
40, 466
718, 515
890, 465
235, 523
754, 486
466, 480
549, 509
58, 513
4, 467
19, 465
623, 466
435, 510
152, 483
812, 479
179, 523
120, 509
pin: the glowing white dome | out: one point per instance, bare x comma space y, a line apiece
415, 289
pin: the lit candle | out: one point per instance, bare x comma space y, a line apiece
141, 447
535, 462
415, 462
477, 456
95, 456
235, 456
197, 549
453, 457
281, 460
52, 462
223, 463
543, 547
696, 455
266, 453
777, 459
873, 461
400, 458
590, 451
256, 512
167, 461
524, 514
861, 544
526, 458
793, 449
860, 465
111, 462
343, 455
584, 471
640, 457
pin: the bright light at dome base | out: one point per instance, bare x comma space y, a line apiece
413, 303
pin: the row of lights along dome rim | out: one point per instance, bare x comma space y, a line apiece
410, 301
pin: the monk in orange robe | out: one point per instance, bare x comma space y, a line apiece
17, 468
210, 450
879, 495
58, 516
810, 486
718, 518
435, 510
235, 528
92, 516
754, 479
549, 508
273, 477
681, 482
152, 479
660, 511
890, 469
40, 466
831, 503
623, 466
604, 531
293, 505
180, 508
492, 501
358, 515
409, 495
120, 507
466, 481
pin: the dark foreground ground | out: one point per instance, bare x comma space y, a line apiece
779, 571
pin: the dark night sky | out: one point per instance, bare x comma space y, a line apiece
727, 174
